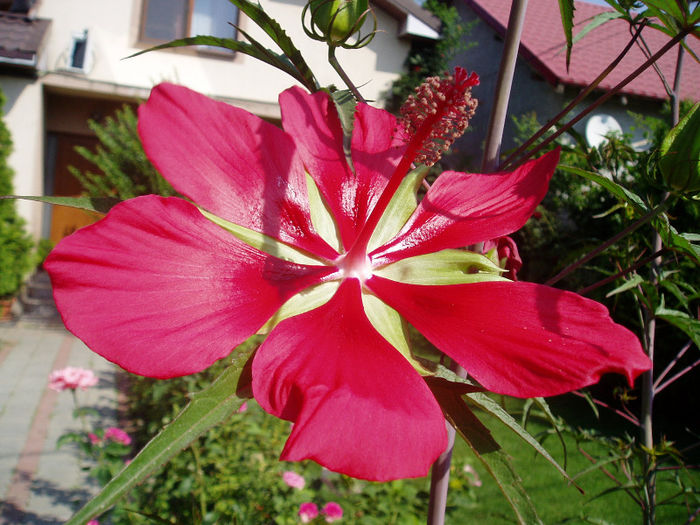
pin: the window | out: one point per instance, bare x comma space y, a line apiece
165, 20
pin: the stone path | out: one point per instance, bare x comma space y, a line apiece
40, 484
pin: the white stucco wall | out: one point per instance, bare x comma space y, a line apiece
24, 118
113, 28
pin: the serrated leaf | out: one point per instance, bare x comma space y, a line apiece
206, 409
595, 22
443, 267
486, 449
682, 321
99, 205
255, 12
489, 405
566, 9
345, 106
634, 280
619, 191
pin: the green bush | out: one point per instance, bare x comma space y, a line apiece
15, 244
232, 474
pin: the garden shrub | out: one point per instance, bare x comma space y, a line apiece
15, 243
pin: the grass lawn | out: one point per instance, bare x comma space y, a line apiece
554, 499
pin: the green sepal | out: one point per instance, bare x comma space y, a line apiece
206, 409
485, 448
443, 267
263, 242
99, 205
400, 208
391, 327
302, 302
321, 217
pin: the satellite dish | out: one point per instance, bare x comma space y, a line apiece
598, 126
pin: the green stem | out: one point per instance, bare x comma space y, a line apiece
440, 475
338, 68
663, 206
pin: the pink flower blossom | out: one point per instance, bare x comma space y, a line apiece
243, 407
332, 511
164, 287
72, 378
93, 522
118, 435
308, 512
94, 438
294, 480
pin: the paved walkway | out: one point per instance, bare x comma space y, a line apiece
40, 484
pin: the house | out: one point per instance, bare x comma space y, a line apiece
542, 83
62, 63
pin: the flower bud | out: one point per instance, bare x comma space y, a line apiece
338, 20
680, 153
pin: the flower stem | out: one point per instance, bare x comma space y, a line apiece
663, 206
338, 68
440, 475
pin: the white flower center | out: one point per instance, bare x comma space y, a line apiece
357, 268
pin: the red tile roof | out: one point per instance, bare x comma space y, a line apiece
543, 42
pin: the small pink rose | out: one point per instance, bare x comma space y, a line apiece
332, 511
94, 438
294, 480
72, 378
118, 435
307, 512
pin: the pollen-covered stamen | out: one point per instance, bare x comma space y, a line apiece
440, 110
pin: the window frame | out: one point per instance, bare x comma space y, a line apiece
208, 50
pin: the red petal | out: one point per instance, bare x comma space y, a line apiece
230, 162
162, 291
462, 209
520, 339
313, 122
359, 407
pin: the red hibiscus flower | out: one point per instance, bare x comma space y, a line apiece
281, 233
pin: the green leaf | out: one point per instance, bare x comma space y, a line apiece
566, 8
485, 448
489, 405
595, 22
255, 12
264, 242
99, 205
443, 267
345, 106
400, 208
682, 321
206, 409
620, 192
634, 280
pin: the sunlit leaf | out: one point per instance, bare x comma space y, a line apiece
206, 409
632, 282
682, 321
566, 8
485, 448
99, 205
613, 187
